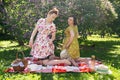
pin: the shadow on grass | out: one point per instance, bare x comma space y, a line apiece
107, 51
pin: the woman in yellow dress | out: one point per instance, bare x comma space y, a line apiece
70, 41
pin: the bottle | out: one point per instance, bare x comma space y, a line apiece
93, 63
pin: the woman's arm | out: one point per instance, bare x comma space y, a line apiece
53, 33
70, 39
34, 32
53, 36
32, 36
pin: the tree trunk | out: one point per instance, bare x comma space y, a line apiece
21, 43
3, 21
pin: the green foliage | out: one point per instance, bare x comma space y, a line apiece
91, 15
22, 16
115, 25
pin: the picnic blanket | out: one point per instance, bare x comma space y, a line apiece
62, 68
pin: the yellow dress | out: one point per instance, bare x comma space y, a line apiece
73, 49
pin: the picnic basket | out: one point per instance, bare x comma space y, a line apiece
19, 64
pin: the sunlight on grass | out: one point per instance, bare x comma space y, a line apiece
97, 38
115, 73
11, 45
23, 77
8, 43
107, 49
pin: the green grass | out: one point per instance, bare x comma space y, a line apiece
106, 49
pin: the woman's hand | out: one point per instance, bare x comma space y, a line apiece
51, 41
30, 43
32, 36
65, 46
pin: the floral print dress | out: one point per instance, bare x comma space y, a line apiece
42, 47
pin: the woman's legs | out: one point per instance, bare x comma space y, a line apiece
52, 57
73, 61
55, 62
82, 60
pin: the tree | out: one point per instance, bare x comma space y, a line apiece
91, 15
3, 16
115, 25
22, 16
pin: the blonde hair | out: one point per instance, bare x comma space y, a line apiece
54, 11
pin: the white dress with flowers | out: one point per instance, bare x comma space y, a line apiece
42, 46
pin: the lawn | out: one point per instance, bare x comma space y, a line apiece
106, 49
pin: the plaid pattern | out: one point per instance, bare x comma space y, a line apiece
60, 68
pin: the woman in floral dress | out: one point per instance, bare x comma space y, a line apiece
43, 46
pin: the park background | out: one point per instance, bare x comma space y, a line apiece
98, 24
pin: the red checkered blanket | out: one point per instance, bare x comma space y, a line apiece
60, 68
